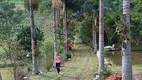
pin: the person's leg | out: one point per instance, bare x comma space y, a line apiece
58, 67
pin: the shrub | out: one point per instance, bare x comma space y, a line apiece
106, 52
107, 72
29, 67
47, 53
68, 55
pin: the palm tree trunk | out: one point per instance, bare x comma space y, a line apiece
33, 41
101, 40
58, 18
65, 30
55, 32
126, 45
94, 34
0, 76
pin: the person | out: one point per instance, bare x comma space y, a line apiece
57, 62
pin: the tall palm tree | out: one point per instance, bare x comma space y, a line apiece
56, 7
126, 45
32, 5
55, 32
94, 33
65, 29
101, 40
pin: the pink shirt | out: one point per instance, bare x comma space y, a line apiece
57, 59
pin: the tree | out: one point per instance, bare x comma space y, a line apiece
101, 40
10, 20
94, 31
136, 21
24, 37
91, 10
55, 31
65, 35
56, 6
32, 5
126, 44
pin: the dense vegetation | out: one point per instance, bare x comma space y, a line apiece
82, 20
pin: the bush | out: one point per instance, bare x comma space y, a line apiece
29, 67
107, 73
68, 55
106, 52
47, 53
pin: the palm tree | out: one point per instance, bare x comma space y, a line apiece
65, 29
94, 33
101, 40
32, 5
56, 6
55, 32
126, 45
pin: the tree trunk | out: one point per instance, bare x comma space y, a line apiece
58, 18
126, 45
65, 30
55, 32
15, 69
94, 34
101, 40
0, 76
33, 40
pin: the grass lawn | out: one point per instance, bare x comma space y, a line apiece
82, 66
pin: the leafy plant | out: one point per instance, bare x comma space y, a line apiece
106, 52
47, 53
107, 72
24, 37
68, 55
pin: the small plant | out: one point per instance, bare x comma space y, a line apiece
68, 55
29, 68
107, 73
106, 52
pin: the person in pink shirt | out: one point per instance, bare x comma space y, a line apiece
57, 62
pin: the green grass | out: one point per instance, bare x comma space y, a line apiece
22, 1
17, 1
82, 66
6, 73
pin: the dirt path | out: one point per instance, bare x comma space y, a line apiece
81, 67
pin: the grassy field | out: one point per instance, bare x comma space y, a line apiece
6, 73
82, 66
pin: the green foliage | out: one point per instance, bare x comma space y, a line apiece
111, 21
106, 52
86, 32
107, 73
17, 1
10, 20
47, 54
136, 20
12, 52
29, 67
69, 55
74, 5
45, 7
24, 37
